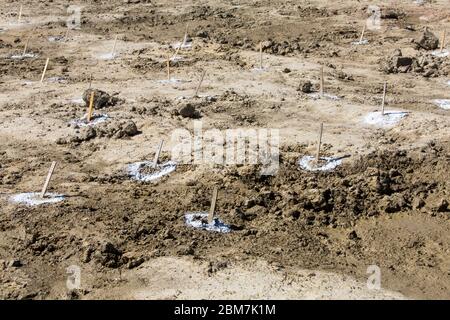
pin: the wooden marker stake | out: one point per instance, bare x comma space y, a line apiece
20, 14
114, 47
383, 102
200, 83
168, 68
185, 36
90, 81
158, 152
260, 56
45, 70
213, 206
362, 33
319, 143
443, 40
91, 107
322, 82
47, 181
26, 45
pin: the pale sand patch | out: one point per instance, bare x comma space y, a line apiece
184, 278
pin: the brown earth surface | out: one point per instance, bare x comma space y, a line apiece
296, 234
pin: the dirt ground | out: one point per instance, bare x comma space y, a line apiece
296, 234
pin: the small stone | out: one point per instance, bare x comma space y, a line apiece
130, 129
306, 87
353, 235
188, 111
16, 263
428, 40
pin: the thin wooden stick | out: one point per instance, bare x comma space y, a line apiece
114, 47
200, 83
168, 67
185, 36
322, 81
91, 107
20, 14
26, 45
260, 56
362, 33
90, 81
66, 36
45, 70
384, 98
176, 52
319, 143
443, 40
158, 152
213, 206
47, 181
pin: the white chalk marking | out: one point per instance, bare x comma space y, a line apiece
441, 54
96, 119
389, 118
309, 163
360, 42
34, 198
442, 103
135, 170
198, 220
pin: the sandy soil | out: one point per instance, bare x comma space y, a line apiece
386, 205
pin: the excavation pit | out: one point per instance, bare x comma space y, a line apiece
388, 119
34, 198
143, 171
199, 220
308, 163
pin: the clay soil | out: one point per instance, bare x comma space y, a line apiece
296, 234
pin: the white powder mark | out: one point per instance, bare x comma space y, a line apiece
441, 54
360, 42
442, 103
187, 45
135, 170
199, 220
388, 119
171, 80
308, 163
23, 56
96, 119
317, 95
34, 198
108, 56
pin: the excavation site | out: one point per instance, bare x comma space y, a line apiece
223, 150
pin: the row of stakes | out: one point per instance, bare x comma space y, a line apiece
211, 214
